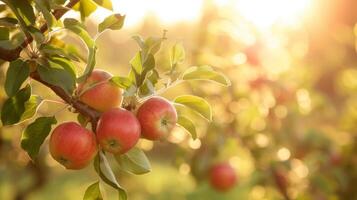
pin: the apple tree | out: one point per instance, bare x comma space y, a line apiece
113, 111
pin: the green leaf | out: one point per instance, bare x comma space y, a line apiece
50, 50
85, 7
152, 45
105, 4
177, 54
93, 192
113, 22
205, 73
139, 40
122, 82
136, 63
78, 29
23, 10
197, 104
102, 167
14, 107
16, 74
4, 33
59, 72
35, 133
36, 34
188, 125
134, 161
31, 106
45, 8
8, 21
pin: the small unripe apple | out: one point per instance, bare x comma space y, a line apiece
72, 145
99, 93
222, 177
118, 130
157, 118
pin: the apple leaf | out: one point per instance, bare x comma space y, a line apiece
197, 104
102, 167
177, 54
134, 161
23, 11
77, 28
93, 192
14, 107
31, 106
105, 4
45, 8
113, 22
85, 7
59, 72
122, 82
205, 73
4, 33
35, 133
16, 74
188, 125
8, 21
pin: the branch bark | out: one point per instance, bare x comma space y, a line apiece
82, 108
13, 54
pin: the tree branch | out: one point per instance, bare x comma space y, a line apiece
82, 108
13, 54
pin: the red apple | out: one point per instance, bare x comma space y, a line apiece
118, 130
222, 177
157, 118
72, 145
98, 92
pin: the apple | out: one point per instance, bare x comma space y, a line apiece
118, 130
72, 145
222, 177
99, 93
157, 118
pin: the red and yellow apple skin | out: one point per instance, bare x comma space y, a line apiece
99, 93
72, 145
157, 118
118, 130
222, 177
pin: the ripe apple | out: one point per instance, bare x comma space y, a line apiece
222, 177
98, 92
157, 118
118, 130
72, 145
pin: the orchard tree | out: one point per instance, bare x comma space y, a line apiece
113, 112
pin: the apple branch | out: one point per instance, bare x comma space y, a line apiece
82, 108
13, 54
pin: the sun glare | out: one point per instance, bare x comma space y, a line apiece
167, 12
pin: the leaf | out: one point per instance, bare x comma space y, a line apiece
16, 74
105, 4
14, 107
45, 8
122, 82
51, 50
102, 167
59, 72
177, 54
4, 33
205, 73
152, 45
35, 133
197, 104
31, 106
113, 22
134, 161
136, 63
36, 34
188, 125
23, 11
139, 40
85, 7
93, 192
8, 21
78, 29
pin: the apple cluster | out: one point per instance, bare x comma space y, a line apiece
118, 129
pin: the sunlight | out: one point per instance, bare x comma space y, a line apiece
167, 12
264, 14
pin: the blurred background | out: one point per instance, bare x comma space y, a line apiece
288, 123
